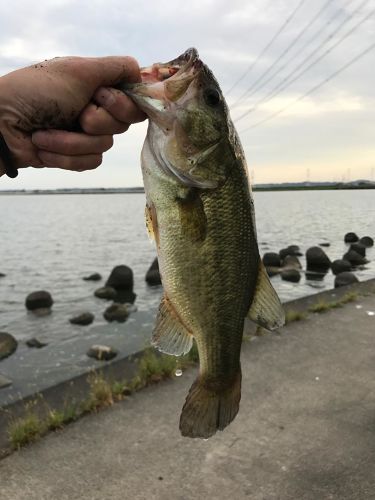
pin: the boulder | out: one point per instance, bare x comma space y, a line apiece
271, 259
340, 266
121, 279
292, 262
290, 250
317, 260
315, 276
106, 292
83, 319
273, 271
350, 238
354, 258
8, 344
345, 278
38, 300
359, 248
35, 343
2, 275
153, 274
93, 277
325, 244
116, 312
101, 352
367, 241
292, 275
4, 382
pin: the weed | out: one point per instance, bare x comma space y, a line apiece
55, 420
100, 394
349, 297
291, 316
25, 430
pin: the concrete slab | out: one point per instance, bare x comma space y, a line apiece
306, 429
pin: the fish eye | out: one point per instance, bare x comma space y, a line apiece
211, 97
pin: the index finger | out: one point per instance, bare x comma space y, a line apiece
119, 105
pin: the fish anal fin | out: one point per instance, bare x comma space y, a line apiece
266, 309
206, 411
170, 335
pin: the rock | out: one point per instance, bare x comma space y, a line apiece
121, 279
8, 344
272, 271
93, 277
345, 278
38, 300
317, 260
4, 382
367, 241
83, 319
2, 275
350, 238
354, 258
271, 259
315, 276
292, 262
116, 312
153, 274
290, 250
292, 275
106, 292
34, 342
325, 244
359, 248
340, 266
101, 352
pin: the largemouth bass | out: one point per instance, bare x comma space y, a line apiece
200, 213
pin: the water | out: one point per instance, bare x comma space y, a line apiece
51, 241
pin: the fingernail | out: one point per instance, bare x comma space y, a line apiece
40, 138
104, 97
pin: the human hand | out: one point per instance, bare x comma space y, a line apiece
63, 112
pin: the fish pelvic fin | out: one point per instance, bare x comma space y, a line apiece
266, 309
170, 335
206, 411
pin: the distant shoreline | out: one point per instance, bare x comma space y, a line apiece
299, 186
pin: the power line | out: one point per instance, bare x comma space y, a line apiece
313, 89
270, 43
287, 81
253, 88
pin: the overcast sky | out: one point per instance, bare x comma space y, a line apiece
327, 136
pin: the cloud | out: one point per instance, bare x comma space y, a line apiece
229, 36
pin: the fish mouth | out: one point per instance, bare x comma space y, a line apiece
164, 83
160, 72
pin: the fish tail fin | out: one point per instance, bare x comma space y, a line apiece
205, 410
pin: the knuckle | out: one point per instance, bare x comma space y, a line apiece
88, 120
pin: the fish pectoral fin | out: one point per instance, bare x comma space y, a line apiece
206, 410
151, 222
192, 216
266, 309
170, 335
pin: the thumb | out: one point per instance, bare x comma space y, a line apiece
108, 71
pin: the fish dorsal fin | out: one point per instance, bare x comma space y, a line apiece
170, 335
266, 309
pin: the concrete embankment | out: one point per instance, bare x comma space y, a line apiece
305, 428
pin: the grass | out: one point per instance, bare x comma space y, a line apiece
25, 430
152, 368
324, 306
292, 315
